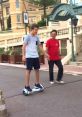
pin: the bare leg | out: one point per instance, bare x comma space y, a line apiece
27, 78
37, 76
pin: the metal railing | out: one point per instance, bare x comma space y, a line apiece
63, 31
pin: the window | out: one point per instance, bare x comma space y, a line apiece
18, 18
17, 3
7, 10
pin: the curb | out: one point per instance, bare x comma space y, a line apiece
3, 110
45, 68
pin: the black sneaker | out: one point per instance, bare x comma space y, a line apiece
38, 88
27, 91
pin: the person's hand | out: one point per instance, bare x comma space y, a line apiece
47, 56
23, 58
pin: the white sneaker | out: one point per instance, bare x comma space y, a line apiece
60, 82
51, 82
38, 88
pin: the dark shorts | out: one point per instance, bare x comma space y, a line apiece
32, 63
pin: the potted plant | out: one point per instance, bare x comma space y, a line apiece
18, 55
41, 54
41, 57
3, 55
15, 55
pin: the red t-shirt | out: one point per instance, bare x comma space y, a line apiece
53, 49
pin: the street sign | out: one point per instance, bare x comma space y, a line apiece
25, 17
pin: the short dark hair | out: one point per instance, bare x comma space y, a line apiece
33, 26
54, 31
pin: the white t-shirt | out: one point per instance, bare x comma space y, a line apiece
31, 48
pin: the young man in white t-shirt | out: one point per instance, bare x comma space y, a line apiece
31, 56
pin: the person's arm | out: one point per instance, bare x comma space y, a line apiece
23, 52
41, 50
46, 53
59, 48
24, 48
47, 48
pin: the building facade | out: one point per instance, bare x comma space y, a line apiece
11, 14
14, 38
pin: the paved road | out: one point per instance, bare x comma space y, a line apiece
56, 101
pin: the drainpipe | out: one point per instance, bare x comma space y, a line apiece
2, 18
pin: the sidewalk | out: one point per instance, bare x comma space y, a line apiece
69, 69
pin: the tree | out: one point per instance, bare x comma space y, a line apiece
45, 3
42, 23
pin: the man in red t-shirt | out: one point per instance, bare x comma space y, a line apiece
53, 55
